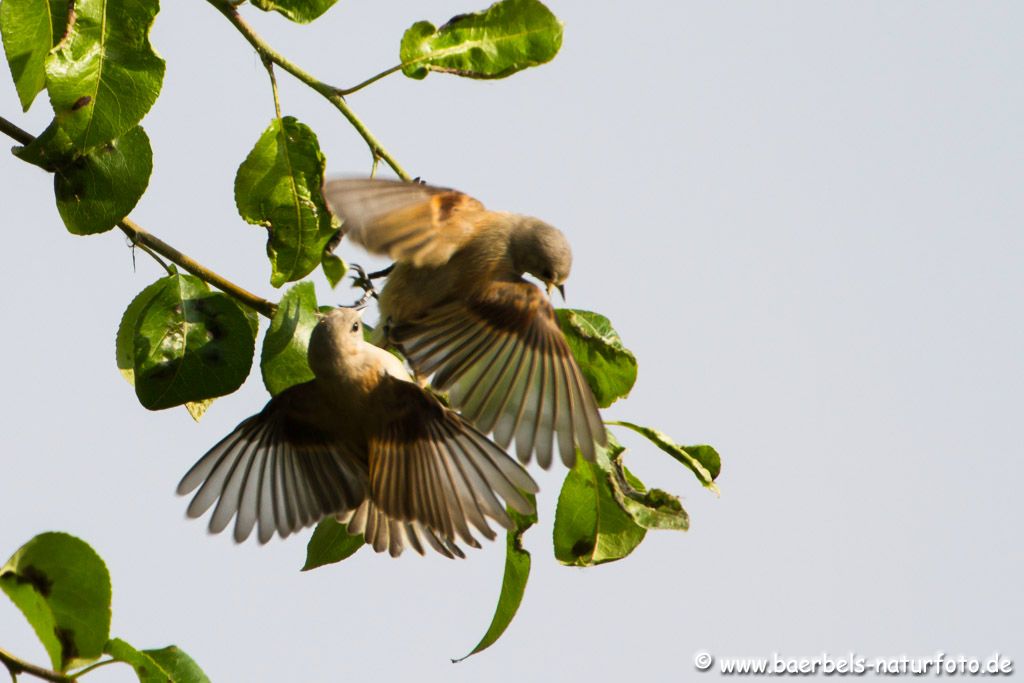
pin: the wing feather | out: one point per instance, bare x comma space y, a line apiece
437, 475
506, 366
409, 222
275, 473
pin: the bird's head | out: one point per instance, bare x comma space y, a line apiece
338, 333
542, 251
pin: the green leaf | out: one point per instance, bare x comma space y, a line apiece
62, 587
180, 667
125, 344
97, 190
651, 509
104, 75
703, 460
278, 187
125, 340
190, 344
334, 268
168, 665
284, 362
300, 11
590, 525
146, 668
513, 584
608, 366
331, 542
30, 29
507, 37
52, 149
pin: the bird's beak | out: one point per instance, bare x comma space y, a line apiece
560, 288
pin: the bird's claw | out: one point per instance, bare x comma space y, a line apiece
363, 281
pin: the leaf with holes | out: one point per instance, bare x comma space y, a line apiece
190, 343
507, 37
278, 186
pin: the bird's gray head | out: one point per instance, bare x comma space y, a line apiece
338, 333
542, 251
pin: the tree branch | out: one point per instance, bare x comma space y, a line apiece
137, 234
140, 236
19, 666
333, 95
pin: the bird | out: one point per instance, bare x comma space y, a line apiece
457, 306
361, 441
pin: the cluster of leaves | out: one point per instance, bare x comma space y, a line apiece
183, 344
63, 588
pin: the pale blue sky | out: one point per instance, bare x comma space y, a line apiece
805, 218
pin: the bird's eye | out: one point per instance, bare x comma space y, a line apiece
355, 327
548, 276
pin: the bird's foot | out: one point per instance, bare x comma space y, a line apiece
363, 281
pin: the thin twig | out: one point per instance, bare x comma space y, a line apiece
329, 92
19, 666
92, 667
152, 254
368, 81
148, 241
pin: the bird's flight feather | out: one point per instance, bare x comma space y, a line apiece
506, 365
408, 222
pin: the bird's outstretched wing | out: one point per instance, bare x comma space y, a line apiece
276, 470
382, 531
507, 367
409, 222
433, 477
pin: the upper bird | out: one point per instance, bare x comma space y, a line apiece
364, 442
457, 305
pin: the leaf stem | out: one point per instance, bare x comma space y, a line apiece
17, 666
368, 81
333, 95
92, 667
273, 84
148, 241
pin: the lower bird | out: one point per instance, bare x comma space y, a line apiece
458, 306
364, 443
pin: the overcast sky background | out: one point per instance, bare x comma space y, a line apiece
805, 219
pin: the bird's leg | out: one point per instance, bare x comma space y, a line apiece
381, 273
365, 299
361, 279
